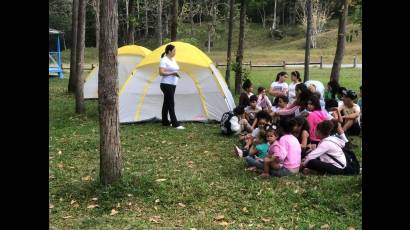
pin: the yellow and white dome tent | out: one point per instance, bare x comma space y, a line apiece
201, 93
128, 57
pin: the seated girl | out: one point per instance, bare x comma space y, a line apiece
263, 100
258, 152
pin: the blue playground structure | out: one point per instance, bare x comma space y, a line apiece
54, 63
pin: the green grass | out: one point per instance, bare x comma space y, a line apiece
201, 174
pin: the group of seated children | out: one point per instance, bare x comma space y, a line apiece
282, 138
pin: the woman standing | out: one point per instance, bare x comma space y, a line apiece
168, 69
295, 77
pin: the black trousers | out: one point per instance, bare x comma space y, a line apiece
323, 168
169, 105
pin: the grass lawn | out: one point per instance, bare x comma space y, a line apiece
204, 186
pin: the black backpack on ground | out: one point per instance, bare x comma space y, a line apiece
225, 125
352, 164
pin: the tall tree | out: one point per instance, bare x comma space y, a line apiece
110, 146
79, 95
146, 17
341, 34
131, 29
274, 16
239, 54
174, 20
228, 55
308, 38
160, 22
96, 7
191, 16
73, 54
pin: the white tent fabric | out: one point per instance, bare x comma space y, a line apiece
201, 93
128, 58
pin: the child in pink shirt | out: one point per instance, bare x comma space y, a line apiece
316, 115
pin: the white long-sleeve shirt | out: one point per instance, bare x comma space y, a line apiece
332, 146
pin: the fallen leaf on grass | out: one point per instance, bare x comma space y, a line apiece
223, 223
72, 201
192, 229
163, 142
94, 199
324, 226
245, 210
59, 152
219, 217
113, 212
206, 152
66, 217
281, 228
258, 225
155, 219
51, 206
86, 178
76, 205
160, 180
266, 220
60, 165
181, 204
351, 228
129, 195
129, 204
311, 226
92, 206
157, 201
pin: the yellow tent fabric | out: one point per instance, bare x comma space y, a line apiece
185, 54
133, 50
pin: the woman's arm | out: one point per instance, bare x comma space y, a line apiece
352, 116
162, 72
276, 93
305, 136
320, 149
287, 111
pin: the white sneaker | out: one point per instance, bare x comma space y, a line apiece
239, 151
180, 127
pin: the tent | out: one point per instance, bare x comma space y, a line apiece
128, 57
201, 93
54, 56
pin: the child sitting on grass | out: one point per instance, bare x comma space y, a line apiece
251, 110
282, 103
285, 155
263, 100
350, 113
245, 96
258, 152
300, 129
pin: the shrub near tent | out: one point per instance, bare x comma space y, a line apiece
201, 93
128, 58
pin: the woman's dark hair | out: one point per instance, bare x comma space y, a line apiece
260, 89
247, 84
331, 103
239, 110
325, 128
263, 115
168, 49
304, 96
262, 135
276, 101
300, 121
315, 101
280, 74
335, 126
285, 126
296, 74
253, 98
334, 85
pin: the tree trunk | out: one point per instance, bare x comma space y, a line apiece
131, 29
200, 17
73, 54
209, 37
308, 34
167, 23
97, 24
228, 55
146, 17
160, 22
110, 146
138, 16
337, 63
127, 17
239, 55
174, 23
274, 17
79, 95
191, 15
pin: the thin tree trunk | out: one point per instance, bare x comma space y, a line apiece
79, 95
228, 58
308, 34
283, 13
191, 15
73, 53
239, 55
200, 17
209, 37
174, 23
167, 23
97, 24
274, 17
160, 22
337, 63
138, 16
127, 18
146, 17
110, 146
131, 29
